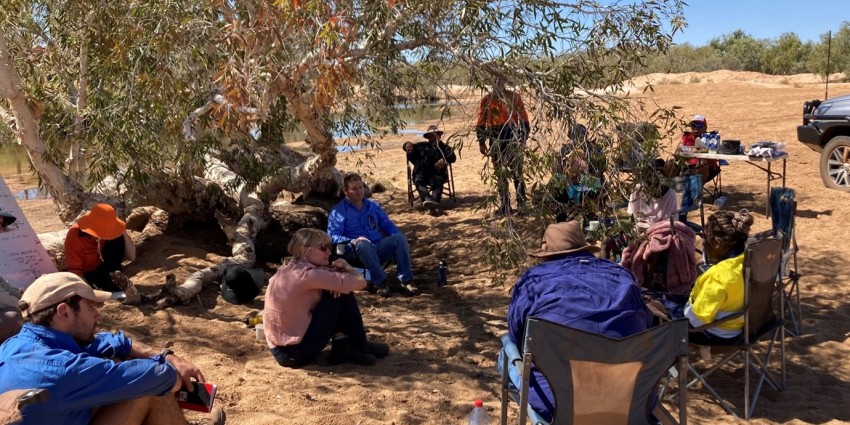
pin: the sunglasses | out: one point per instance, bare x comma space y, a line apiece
697, 124
324, 247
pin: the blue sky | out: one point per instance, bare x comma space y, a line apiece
708, 19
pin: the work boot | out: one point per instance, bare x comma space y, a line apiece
343, 352
131, 294
377, 349
383, 289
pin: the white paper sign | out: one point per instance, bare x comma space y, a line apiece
22, 257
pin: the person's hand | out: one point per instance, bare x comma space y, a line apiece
483, 148
440, 164
185, 372
342, 265
358, 240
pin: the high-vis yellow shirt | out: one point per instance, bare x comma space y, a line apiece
718, 293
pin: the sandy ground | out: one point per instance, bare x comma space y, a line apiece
445, 341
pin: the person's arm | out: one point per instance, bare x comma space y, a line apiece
185, 370
73, 259
707, 302
520, 107
129, 248
481, 132
384, 223
336, 224
448, 152
518, 310
88, 380
339, 279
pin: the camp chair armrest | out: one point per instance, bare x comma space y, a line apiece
717, 322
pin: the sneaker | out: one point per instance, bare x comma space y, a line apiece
377, 349
371, 288
410, 288
429, 204
351, 355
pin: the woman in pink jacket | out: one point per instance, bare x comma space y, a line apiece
309, 302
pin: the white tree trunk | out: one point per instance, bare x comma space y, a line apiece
67, 194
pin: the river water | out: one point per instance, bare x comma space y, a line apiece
15, 166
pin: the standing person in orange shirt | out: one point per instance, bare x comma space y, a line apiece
503, 120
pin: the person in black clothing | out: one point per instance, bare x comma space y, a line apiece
430, 161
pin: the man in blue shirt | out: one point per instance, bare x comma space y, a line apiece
92, 378
574, 288
374, 238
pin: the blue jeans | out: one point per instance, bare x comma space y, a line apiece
392, 247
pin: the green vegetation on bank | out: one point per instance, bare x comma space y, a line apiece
739, 51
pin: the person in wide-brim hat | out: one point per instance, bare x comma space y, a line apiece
562, 239
433, 132
96, 245
574, 288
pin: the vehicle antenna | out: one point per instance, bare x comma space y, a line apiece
828, 53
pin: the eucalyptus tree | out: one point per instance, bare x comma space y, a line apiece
183, 104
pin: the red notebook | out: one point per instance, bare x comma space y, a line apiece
200, 400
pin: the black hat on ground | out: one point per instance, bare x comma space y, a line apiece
7, 218
240, 285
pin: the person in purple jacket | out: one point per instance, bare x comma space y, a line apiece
91, 378
574, 288
371, 235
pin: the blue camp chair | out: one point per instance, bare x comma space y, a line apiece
783, 209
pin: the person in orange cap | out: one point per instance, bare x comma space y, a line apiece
96, 245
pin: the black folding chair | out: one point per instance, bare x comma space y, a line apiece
762, 281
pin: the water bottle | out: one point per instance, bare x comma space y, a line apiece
478, 416
442, 273
712, 143
720, 201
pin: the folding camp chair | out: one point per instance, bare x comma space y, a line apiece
783, 209
448, 185
596, 379
762, 280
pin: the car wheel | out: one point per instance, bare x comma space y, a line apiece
835, 163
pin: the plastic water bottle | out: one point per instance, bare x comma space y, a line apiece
478, 416
720, 201
442, 273
712, 143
